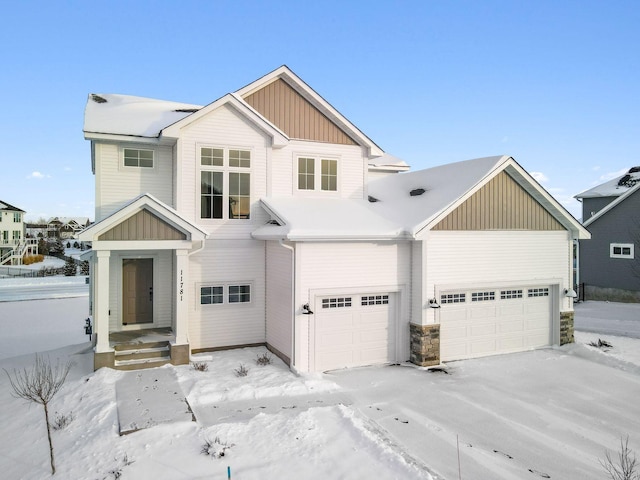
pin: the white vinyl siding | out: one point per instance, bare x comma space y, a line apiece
227, 263
279, 285
116, 185
223, 129
493, 257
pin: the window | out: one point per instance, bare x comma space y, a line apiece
621, 250
483, 296
17, 217
215, 294
138, 158
209, 295
453, 298
375, 300
538, 292
340, 302
317, 173
239, 293
509, 294
225, 185
16, 234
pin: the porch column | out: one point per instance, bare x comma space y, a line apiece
180, 349
101, 313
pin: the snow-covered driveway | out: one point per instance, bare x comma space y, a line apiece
548, 413
622, 319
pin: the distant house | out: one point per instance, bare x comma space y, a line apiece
65, 228
267, 218
13, 244
609, 263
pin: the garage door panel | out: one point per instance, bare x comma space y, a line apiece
508, 321
362, 333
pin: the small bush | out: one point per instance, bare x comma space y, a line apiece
117, 472
215, 448
76, 245
241, 371
84, 267
70, 268
625, 467
62, 421
200, 366
31, 259
264, 359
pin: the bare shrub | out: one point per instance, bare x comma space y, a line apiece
241, 371
624, 467
200, 366
264, 359
600, 344
215, 448
39, 385
116, 473
61, 421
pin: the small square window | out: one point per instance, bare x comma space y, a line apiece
510, 294
483, 296
306, 173
538, 292
453, 298
212, 156
138, 158
240, 158
211, 295
239, 293
341, 302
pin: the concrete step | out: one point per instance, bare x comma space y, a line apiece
142, 353
139, 346
141, 363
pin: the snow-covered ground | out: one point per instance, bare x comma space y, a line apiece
550, 412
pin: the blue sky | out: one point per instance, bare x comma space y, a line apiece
555, 84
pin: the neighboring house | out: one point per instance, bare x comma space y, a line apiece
609, 264
13, 244
268, 218
65, 228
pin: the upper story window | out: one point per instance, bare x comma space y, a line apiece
316, 173
621, 250
225, 183
134, 157
17, 217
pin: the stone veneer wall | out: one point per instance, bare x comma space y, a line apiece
566, 328
425, 344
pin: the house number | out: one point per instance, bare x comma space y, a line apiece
181, 286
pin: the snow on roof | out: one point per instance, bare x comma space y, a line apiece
399, 197
388, 162
6, 206
133, 116
399, 205
613, 188
325, 218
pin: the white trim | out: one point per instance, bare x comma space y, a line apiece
622, 246
122, 167
225, 293
611, 205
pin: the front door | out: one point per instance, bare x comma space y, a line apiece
137, 291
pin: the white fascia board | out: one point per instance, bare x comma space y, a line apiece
279, 139
320, 103
347, 238
112, 245
109, 137
169, 215
611, 205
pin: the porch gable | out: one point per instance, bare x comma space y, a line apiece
143, 225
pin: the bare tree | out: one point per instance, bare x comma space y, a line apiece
625, 468
40, 384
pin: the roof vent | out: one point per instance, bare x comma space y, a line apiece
98, 98
634, 170
186, 110
628, 181
417, 191
373, 199
273, 222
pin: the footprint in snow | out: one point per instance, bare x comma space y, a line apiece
401, 421
540, 474
504, 454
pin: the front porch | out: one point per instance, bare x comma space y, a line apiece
145, 348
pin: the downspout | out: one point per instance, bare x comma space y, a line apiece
197, 249
293, 300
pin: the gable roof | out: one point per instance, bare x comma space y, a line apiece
148, 202
615, 187
403, 205
8, 207
612, 205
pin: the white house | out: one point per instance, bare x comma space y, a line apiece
268, 218
13, 244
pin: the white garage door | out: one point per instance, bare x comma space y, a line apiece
354, 330
475, 323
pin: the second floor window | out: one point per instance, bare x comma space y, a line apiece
17, 217
138, 158
225, 183
315, 173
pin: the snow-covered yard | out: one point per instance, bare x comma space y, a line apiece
550, 412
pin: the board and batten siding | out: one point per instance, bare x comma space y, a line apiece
352, 268
279, 292
222, 128
352, 167
225, 262
143, 226
162, 287
294, 115
116, 184
501, 204
499, 258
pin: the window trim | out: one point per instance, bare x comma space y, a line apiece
225, 169
139, 149
622, 246
226, 287
318, 176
